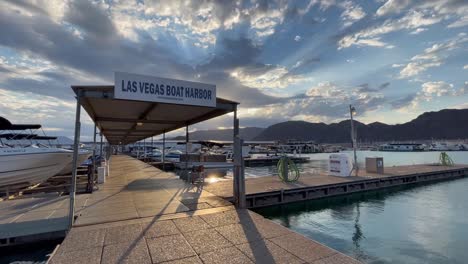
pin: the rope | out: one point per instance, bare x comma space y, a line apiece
293, 173
445, 160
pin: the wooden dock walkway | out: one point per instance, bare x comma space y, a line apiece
144, 215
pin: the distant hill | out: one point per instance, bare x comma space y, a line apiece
247, 133
444, 124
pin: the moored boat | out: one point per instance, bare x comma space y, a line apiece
83, 155
27, 165
444, 146
403, 147
31, 165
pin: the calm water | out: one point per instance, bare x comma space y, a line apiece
319, 162
423, 224
36, 253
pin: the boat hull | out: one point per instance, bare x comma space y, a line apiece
82, 157
25, 167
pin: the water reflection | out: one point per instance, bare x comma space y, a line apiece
358, 235
426, 223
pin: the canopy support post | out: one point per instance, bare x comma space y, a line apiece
163, 149
235, 173
238, 170
94, 152
186, 152
100, 148
76, 143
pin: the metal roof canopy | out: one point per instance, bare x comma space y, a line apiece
128, 121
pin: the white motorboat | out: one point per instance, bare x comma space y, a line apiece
445, 146
27, 165
402, 147
83, 155
172, 155
31, 165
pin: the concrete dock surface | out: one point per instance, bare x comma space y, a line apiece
135, 189
36, 214
232, 236
144, 215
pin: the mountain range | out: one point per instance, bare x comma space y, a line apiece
444, 124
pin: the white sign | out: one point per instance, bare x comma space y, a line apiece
154, 89
339, 165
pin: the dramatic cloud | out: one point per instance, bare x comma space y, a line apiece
418, 30
432, 57
278, 58
440, 88
428, 92
403, 102
54, 112
365, 88
462, 22
371, 36
352, 13
421, 15
267, 76
392, 6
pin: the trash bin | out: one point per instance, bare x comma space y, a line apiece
375, 165
101, 174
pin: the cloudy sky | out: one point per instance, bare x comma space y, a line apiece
282, 60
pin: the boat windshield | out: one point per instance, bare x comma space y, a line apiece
174, 151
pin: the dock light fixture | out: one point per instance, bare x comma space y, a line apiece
139, 123
352, 111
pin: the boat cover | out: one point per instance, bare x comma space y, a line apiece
7, 125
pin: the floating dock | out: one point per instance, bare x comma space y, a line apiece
144, 215
266, 191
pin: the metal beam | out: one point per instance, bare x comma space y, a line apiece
131, 120
130, 136
76, 144
100, 148
226, 106
94, 152
239, 174
143, 116
235, 172
186, 153
125, 130
163, 150
108, 93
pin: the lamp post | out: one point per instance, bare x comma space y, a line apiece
352, 111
